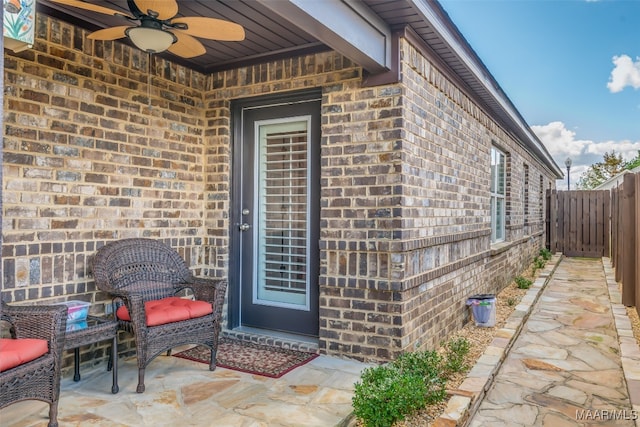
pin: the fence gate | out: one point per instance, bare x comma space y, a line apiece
578, 222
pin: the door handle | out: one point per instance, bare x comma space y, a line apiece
244, 226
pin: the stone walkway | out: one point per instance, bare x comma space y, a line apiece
565, 368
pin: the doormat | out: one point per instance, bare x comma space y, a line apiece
250, 357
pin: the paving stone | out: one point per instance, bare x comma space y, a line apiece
542, 352
500, 342
494, 351
515, 415
567, 393
505, 333
489, 359
594, 357
541, 326
570, 364
613, 393
456, 407
559, 338
473, 384
553, 404
634, 391
480, 370
612, 378
505, 392
539, 365
444, 422
631, 367
532, 382
558, 420
590, 305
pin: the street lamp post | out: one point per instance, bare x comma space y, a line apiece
567, 163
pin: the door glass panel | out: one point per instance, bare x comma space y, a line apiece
282, 232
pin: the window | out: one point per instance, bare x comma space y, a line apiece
498, 203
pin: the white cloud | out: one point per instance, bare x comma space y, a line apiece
625, 73
562, 143
559, 140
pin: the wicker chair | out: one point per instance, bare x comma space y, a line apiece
38, 379
138, 271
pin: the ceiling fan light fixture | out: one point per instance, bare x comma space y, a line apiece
152, 40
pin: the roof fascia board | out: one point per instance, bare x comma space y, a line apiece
447, 32
347, 26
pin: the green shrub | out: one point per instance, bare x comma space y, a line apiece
511, 301
456, 351
539, 262
545, 254
386, 394
523, 282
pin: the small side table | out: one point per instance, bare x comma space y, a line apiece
97, 329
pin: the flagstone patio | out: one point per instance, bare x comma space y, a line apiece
185, 393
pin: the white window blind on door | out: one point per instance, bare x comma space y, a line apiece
282, 213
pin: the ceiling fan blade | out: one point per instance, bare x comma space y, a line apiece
112, 33
166, 9
186, 46
92, 7
211, 28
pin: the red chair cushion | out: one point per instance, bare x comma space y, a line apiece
16, 352
168, 310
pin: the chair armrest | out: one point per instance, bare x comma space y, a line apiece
203, 289
210, 290
135, 305
47, 322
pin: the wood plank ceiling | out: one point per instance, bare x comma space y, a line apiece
267, 36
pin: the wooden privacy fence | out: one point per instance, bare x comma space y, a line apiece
625, 238
578, 222
600, 223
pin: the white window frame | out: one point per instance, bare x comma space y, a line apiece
498, 194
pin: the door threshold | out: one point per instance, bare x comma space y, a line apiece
273, 338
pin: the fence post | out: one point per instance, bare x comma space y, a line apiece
614, 226
628, 207
564, 221
552, 203
607, 223
619, 253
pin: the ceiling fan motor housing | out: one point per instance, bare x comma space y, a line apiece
150, 36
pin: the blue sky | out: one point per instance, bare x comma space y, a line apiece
571, 67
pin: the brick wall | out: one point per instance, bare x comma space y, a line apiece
407, 229
447, 138
93, 153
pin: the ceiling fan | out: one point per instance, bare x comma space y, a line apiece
159, 29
